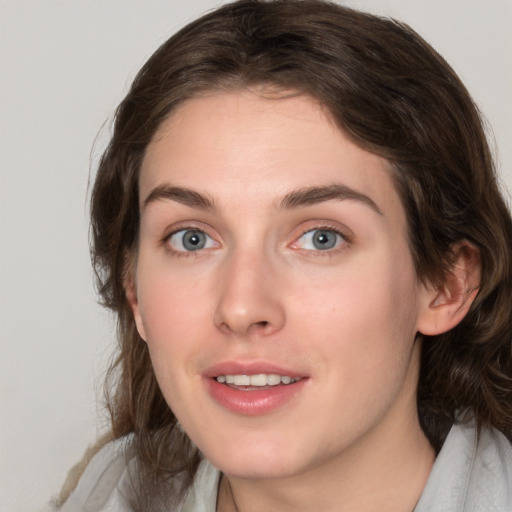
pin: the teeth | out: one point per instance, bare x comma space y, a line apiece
273, 379
261, 379
258, 380
242, 380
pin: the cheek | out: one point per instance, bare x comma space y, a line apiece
377, 295
168, 319
176, 312
364, 319
365, 348
163, 311
169, 301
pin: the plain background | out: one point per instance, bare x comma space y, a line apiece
64, 65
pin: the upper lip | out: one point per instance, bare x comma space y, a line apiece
249, 368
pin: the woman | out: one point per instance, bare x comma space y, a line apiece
298, 225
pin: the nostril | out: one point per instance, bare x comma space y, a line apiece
260, 326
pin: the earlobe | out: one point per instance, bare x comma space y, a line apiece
131, 296
445, 306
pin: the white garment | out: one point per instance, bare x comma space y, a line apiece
468, 476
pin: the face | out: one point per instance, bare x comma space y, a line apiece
274, 285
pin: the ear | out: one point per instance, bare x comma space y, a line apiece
446, 305
130, 290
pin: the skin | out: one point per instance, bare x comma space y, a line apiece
345, 318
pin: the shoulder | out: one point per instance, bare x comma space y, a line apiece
202, 496
100, 486
471, 473
490, 481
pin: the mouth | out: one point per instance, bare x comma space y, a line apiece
254, 389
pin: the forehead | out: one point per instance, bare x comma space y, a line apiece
243, 147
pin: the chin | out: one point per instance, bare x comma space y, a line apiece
254, 470
257, 462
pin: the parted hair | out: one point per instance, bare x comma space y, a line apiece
394, 96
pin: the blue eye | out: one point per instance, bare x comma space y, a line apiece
320, 240
187, 240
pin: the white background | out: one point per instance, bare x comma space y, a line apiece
64, 65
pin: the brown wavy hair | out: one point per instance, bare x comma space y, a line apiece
393, 95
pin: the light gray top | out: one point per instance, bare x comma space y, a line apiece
468, 476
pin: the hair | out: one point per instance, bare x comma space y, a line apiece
394, 96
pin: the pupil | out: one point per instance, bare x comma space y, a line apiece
324, 240
194, 240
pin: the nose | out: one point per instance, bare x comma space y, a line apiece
250, 298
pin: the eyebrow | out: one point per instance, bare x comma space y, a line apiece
307, 196
181, 195
314, 195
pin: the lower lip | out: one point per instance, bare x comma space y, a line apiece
254, 402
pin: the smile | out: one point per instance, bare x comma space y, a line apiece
258, 380
254, 389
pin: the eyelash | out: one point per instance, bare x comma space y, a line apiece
167, 238
346, 240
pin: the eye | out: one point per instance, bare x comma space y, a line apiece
319, 240
187, 240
